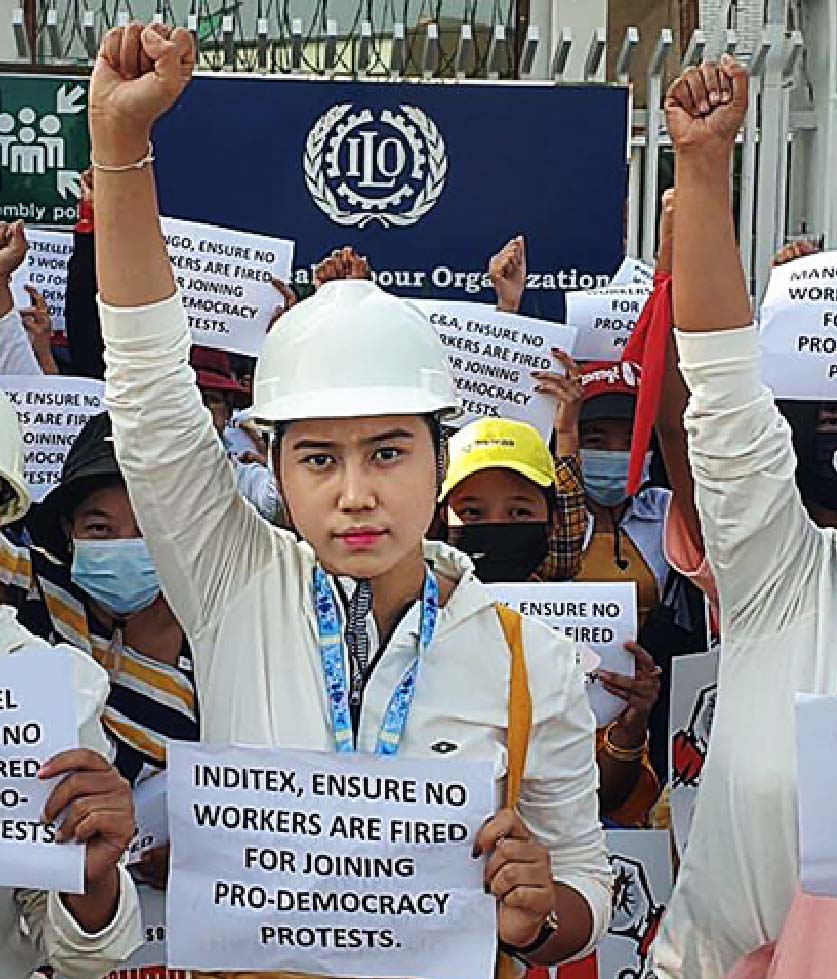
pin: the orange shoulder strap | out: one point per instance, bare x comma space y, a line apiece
520, 703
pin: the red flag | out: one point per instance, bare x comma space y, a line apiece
647, 346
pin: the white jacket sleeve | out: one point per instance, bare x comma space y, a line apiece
206, 542
16, 353
762, 547
73, 953
559, 794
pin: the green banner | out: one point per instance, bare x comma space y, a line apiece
44, 147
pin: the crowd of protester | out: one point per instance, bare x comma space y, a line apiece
218, 507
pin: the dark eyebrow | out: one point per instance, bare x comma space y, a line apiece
83, 511
318, 445
313, 445
395, 433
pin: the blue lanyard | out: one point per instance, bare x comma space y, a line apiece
332, 652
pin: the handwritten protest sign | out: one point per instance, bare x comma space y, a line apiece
51, 410
694, 684
151, 815
37, 721
633, 272
799, 329
224, 277
327, 864
45, 268
601, 615
605, 319
816, 736
492, 356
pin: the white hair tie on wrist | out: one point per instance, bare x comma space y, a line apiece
144, 162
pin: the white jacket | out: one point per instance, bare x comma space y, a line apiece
777, 583
243, 592
35, 927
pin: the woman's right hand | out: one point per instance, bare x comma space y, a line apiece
139, 75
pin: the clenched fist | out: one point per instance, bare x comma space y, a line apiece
139, 75
706, 106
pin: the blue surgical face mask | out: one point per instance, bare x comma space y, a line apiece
606, 475
117, 574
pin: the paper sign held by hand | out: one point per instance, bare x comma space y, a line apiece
224, 278
52, 410
37, 722
605, 319
492, 356
327, 864
798, 329
816, 739
600, 615
45, 268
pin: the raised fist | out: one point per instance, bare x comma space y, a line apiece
139, 75
706, 106
507, 271
13, 247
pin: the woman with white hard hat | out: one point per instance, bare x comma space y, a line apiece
354, 384
81, 936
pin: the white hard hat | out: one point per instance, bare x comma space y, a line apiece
15, 500
352, 351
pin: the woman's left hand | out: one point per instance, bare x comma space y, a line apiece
640, 692
518, 874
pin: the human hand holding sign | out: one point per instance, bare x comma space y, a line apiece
518, 874
98, 810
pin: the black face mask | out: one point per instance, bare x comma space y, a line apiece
820, 481
502, 551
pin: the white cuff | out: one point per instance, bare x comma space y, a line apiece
124, 922
134, 325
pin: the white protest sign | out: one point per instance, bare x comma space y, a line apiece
45, 268
633, 272
798, 327
694, 683
492, 356
642, 873
37, 721
816, 740
334, 865
52, 410
605, 319
598, 614
224, 277
151, 816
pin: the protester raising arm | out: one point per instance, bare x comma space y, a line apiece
507, 271
38, 325
757, 533
16, 353
182, 495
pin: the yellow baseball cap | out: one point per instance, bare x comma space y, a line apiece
497, 443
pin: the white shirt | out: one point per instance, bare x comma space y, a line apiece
242, 591
777, 580
35, 927
16, 353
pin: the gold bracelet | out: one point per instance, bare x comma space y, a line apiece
147, 160
617, 753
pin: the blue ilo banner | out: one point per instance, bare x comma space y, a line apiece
426, 180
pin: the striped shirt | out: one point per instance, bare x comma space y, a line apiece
149, 701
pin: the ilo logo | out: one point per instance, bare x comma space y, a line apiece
389, 168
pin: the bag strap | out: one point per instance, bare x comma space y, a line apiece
520, 703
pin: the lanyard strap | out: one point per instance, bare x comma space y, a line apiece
333, 656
